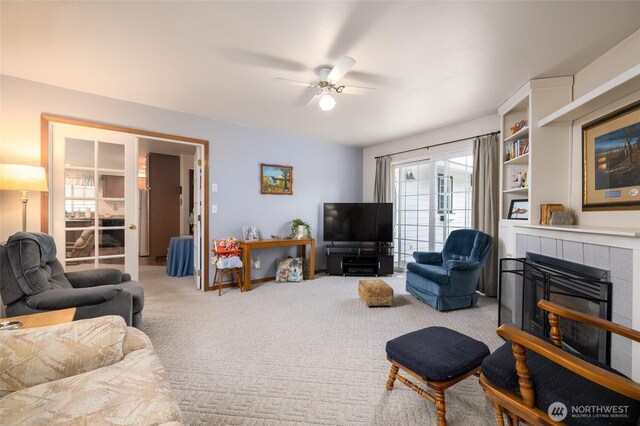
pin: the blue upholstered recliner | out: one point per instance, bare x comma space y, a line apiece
448, 279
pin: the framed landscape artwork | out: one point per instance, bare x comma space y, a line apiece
276, 179
611, 161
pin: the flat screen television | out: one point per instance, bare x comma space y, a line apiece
358, 222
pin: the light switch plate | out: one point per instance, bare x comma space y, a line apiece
214, 208
214, 187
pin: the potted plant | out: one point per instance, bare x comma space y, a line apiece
300, 229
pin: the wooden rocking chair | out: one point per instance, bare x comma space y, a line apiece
538, 382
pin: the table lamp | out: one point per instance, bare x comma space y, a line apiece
20, 177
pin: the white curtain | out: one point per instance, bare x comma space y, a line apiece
485, 205
383, 188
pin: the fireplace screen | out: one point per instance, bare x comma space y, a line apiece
525, 281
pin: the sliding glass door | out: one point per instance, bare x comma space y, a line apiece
432, 198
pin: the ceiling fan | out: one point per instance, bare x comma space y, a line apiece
327, 81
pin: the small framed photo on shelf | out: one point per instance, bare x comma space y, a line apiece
519, 209
517, 178
250, 233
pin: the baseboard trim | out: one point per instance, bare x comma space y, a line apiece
267, 279
227, 284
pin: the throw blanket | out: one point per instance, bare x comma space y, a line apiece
46, 243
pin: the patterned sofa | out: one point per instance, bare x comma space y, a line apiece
93, 371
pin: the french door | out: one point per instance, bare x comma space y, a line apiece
432, 198
94, 202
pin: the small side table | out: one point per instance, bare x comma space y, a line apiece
180, 257
60, 316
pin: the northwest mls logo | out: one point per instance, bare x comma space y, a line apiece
557, 411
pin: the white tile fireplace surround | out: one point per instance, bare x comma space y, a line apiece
613, 249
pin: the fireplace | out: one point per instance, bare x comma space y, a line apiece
524, 281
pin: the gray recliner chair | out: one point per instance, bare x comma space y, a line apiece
32, 280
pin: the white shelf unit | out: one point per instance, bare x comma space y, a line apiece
520, 134
516, 190
546, 164
614, 89
517, 109
522, 159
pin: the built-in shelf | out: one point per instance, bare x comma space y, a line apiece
516, 190
584, 229
522, 159
524, 132
614, 89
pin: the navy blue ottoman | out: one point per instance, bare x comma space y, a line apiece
438, 357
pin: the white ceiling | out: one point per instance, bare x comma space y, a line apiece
433, 63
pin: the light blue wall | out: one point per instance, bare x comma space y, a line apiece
323, 172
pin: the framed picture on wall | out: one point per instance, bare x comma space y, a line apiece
611, 161
276, 179
519, 209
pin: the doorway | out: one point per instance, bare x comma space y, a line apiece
111, 179
432, 197
165, 185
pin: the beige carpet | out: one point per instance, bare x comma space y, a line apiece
300, 353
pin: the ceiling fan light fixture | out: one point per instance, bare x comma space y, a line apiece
327, 102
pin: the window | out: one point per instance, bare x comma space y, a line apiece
444, 183
80, 192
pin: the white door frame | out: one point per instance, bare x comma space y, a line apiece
198, 188
45, 159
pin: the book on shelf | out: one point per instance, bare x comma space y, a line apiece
546, 210
509, 151
523, 147
515, 149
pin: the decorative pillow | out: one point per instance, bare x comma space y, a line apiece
29, 357
289, 270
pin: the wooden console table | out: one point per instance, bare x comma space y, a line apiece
246, 248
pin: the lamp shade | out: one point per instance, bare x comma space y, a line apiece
21, 177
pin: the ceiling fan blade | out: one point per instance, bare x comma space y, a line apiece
259, 59
343, 65
360, 87
295, 82
313, 100
356, 90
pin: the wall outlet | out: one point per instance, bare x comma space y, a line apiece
214, 208
256, 263
214, 187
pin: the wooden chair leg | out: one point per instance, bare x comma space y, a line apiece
392, 376
239, 276
499, 416
220, 283
215, 278
440, 408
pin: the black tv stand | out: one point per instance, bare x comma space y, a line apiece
359, 259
